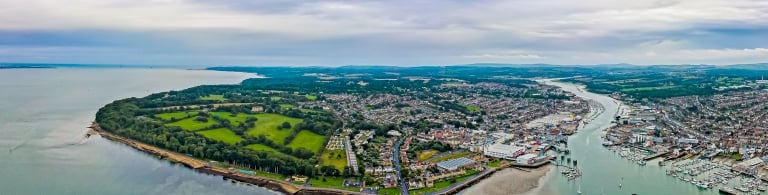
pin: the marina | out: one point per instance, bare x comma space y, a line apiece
715, 175
604, 170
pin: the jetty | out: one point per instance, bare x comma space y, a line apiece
655, 156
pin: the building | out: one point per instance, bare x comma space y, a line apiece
454, 164
526, 159
687, 141
504, 151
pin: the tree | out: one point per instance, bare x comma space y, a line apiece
346, 171
286, 125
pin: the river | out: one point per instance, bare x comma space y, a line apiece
602, 169
43, 117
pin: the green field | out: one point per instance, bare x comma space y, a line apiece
234, 120
331, 182
270, 175
191, 124
176, 115
424, 155
450, 156
214, 98
331, 157
472, 108
311, 97
260, 147
275, 98
307, 140
495, 163
221, 134
267, 125
286, 106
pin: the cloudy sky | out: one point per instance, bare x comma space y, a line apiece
395, 32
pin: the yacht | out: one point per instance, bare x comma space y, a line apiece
579, 191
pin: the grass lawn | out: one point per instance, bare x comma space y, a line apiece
424, 155
472, 108
176, 115
214, 98
368, 107
331, 182
330, 157
275, 98
269, 175
222, 134
311, 97
191, 124
234, 120
450, 156
390, 191
307, 140
443, 184
260, 147
495, 163
267, 125
286, 106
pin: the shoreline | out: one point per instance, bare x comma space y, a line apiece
201, 166
511, 181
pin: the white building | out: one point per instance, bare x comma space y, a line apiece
394, 133
526, 159
504, 151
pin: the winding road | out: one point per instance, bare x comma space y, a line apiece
403, 187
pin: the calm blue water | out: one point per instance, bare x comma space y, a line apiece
43, 117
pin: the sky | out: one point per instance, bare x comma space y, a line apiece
394, 32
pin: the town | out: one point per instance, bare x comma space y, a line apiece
704, 140
454, 135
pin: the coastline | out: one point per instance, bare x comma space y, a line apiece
511, 181
202, 167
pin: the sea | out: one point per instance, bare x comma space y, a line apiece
44, 114
43, 118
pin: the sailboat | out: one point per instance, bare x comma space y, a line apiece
579, 191
622, 179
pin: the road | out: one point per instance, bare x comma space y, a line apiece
461, 183
403, 187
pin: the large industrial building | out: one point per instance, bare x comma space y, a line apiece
504, 151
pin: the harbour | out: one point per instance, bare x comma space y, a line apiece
603, 169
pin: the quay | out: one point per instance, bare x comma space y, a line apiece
655, 156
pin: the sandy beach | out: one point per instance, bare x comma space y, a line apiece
510, 181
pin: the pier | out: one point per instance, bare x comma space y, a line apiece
655, 156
